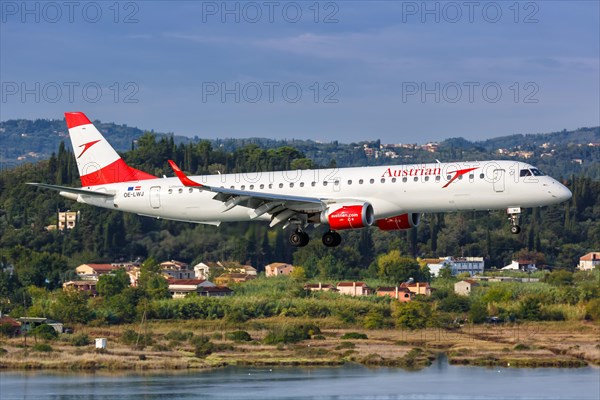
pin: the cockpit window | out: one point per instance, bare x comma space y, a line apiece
525, 172
536, 172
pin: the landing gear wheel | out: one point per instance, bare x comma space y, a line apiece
514, 213
299, 239
332, 239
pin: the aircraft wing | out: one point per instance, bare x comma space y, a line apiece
281, 207
67, 189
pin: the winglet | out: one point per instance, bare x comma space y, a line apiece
182, 177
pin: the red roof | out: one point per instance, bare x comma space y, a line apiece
414, 284
185, 281
351, 284
10, 321
102, 267
392, 289
316, 285
216, 289
593, 256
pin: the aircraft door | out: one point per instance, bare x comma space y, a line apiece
155, 196
499, 176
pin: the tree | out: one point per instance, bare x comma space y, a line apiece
113, 284
151, 281
413, 315
71, 306
393, 267
299, 273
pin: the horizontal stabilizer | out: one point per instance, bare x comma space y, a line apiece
67, 189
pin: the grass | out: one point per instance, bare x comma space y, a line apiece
560, 343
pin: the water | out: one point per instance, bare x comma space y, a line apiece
440, 381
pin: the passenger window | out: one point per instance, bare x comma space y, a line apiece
426, 179
251, 187
292, 185
170, 191
481, 176
243, 187
404, 179
270, 186
416, 179
437, 178
190, 190
180, 190
360, 181
280, 185
349, 181
262, 186
448, 177
393, 180
313, 183
371, 180
301, 184
324, 183
382, 180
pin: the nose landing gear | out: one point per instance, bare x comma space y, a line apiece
514, 214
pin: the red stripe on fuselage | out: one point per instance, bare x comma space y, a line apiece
116, 172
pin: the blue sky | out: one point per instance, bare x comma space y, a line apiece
346, 70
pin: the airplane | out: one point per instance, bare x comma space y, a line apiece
391, 197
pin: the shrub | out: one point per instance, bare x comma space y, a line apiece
132, 338
530, 308
179, 336
202, 346
413, 315
291, 333
455, 303
354, 335
3, 351
45, 332
478, 312
345, 345
592, 310
42, 347
7, 329
238, 336
80, 339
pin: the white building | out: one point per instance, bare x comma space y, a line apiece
458, 265
589, 261
521, 265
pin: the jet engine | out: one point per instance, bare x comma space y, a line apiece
404, 221
348, 216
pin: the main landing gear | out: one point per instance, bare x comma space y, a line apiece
332, 239
514, 214
300, 238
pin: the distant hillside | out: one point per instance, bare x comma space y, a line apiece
29, 141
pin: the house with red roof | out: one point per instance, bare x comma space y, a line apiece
354, 288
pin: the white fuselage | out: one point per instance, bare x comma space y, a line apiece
391, 190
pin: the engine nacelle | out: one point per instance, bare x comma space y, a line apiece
404, 221
348, 216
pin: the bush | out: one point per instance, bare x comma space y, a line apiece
132, 338
45, 332
80, 339
455, 303
179, 336
202, 346
291, 334
592, 310
354, 335
238, 336
8, 330
345, 345
413, 315
42, 347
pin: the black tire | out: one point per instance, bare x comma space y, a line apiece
296, 239
515, 229
332, 239
305, 239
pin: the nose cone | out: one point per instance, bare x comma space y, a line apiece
561, 192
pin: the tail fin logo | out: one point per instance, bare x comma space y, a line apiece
86, 146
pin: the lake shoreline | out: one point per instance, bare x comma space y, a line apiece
533, 345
